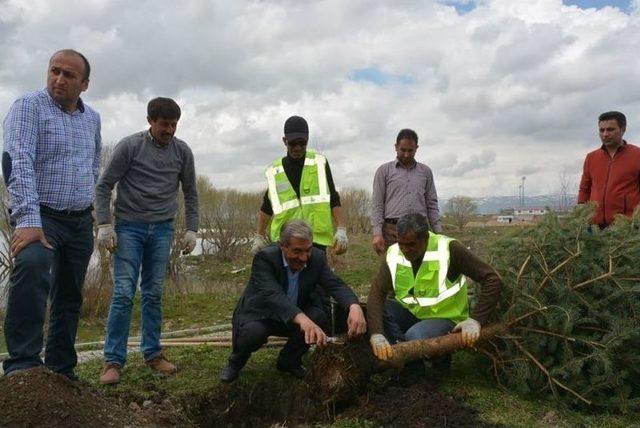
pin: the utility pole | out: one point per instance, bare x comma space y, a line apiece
520, 195
522, 201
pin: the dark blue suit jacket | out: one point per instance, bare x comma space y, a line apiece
265, 296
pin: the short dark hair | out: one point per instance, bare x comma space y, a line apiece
87, 66
165, 108
614, 115
413, 222
408, 134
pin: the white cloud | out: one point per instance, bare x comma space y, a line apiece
506, 87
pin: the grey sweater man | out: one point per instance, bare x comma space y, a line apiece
147, 176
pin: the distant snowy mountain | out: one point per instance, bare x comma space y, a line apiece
493, 204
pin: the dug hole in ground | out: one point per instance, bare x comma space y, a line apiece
39, 397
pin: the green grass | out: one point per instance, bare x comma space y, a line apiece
358, 266
199, 368
218, 291
180, 311
201, 365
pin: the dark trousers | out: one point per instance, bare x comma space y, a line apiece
325, 298
400, 325
250, 336
389, 233
38, 274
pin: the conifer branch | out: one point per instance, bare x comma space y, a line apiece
570, 339
598, 278
549, 333
521, 271
527, 315
554, 270
546, 372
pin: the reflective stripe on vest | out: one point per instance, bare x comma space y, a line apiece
322, 197
441, 255
312, 202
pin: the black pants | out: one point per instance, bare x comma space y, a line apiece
250, 336
38, 274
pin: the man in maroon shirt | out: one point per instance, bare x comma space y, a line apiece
611, 174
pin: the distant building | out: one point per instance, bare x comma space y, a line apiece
530, 211
504, 219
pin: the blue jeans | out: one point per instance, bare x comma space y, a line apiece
38, 274
142, 254
400, 325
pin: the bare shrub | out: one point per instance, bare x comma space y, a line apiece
460, 210
355, 207
6, 261
227, 219
96, 294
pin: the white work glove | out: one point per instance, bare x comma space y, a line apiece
189, 241
107, 237
381, 347
258, 242
340, 241
470, 330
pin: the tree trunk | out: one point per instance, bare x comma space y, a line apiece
404, 352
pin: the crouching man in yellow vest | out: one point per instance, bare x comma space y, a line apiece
426, 275
300, 186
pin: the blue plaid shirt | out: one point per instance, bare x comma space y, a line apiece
51, 157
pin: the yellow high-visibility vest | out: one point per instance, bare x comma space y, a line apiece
313, 204
429, 294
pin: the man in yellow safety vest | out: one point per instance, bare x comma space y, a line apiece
426, 275
300, 185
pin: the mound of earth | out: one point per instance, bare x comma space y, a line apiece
416, 406
39, 397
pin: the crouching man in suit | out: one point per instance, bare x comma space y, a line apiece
282, 299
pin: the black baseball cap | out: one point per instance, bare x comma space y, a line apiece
295, 128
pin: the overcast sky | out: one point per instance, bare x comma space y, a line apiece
495, 89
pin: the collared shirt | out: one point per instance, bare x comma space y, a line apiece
400, 190
51, 157
292, 281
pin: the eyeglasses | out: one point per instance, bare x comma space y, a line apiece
297, 143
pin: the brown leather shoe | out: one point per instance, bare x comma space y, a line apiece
162, 365
110, 374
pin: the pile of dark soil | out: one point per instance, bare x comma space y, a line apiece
277, 403
39, 397
419, 405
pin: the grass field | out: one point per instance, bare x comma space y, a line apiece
215, 289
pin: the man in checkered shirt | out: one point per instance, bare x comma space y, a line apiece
50, 166
400, 187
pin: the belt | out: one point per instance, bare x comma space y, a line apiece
65, 213
391, 220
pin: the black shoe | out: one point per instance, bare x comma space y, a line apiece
71, 376
297, 371
229, 373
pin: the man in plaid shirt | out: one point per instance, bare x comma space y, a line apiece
50, 166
